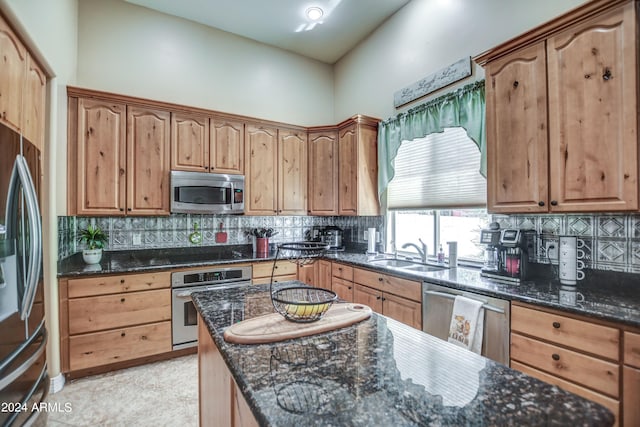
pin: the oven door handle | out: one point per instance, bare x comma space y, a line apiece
183, 295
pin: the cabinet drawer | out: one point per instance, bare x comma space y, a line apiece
117, 311
282, 268
611, 404
584, 336
393, 285
342, 271
584, 370
101, 348
103, 285
632, 349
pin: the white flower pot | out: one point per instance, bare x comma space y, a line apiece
92, 256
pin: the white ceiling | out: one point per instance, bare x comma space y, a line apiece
283, 23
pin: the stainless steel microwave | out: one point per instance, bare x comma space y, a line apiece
196, 192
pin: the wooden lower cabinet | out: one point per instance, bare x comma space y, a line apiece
343, 288
221, 404
403, 310
576, 354
631, 379
308, 274
324, 274
103, 348
368, 296
283, 271
109, 319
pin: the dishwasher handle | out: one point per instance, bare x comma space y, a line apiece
452, 296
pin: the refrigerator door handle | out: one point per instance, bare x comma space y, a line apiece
41, 382
35, 236
7, 379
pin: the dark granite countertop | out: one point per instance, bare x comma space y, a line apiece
379, 372
607, 296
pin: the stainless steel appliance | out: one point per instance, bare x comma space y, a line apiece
196, 192
24, 381
507, 259
437, 308
183, 283
332, 236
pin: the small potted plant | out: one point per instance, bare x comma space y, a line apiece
95, 239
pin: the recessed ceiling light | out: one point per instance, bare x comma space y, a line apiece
314, 13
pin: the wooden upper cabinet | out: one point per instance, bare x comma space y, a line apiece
189, 142
13, 63
562, 132
101, 157
148, 164
358, 167
34, 104
593, 110
323, 172
516, 120
227, 146
292, 172
261, 176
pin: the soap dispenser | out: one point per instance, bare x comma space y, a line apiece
441, 256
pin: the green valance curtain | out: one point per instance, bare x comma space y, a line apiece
463, 108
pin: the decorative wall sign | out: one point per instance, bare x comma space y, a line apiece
441, 78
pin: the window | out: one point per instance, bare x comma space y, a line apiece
438, 195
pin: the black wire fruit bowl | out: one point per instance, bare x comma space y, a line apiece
303, 304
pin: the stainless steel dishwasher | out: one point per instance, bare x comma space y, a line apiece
437, 308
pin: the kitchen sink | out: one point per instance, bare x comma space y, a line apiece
405, 265
398, 263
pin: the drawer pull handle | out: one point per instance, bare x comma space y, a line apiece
378, 297
121, 299
556, 325
555, 356
121, 280
122, 334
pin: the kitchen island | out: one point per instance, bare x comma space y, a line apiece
377, 372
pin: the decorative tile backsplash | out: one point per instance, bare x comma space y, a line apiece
611, 241
131, 233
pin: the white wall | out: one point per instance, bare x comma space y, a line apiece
49, 28
425, 36
128, 49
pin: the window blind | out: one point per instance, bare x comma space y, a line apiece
438, 171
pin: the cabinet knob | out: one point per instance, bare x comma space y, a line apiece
378, 297
339, 268
540, 203
123, 334
349, 287
129, 209
556, 325
555, 356
121, 209
516, 84
554, 203
121, 299
607, 74
121, 280
380, 279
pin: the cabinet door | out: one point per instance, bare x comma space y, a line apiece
593, 137
34, 104
148, 161
101, 158
308, 273
324, 274
348, 171
261, 178
227, 146
368, 296
631, 387
13, 59
292, 173
323, 173
516, 120
189, 142
403, 310
343, 288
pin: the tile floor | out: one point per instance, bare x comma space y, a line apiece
159, 394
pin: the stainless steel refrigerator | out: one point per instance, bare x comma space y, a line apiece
24, 383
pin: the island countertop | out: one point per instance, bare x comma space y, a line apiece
379, 372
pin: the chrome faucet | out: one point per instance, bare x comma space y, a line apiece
421, 251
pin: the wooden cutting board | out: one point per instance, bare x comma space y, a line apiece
273, 327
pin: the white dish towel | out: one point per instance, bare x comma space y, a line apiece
467, 324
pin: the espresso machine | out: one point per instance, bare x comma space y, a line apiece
508, 253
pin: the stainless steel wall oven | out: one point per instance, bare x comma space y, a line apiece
184, 315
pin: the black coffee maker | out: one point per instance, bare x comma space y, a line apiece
508, 253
